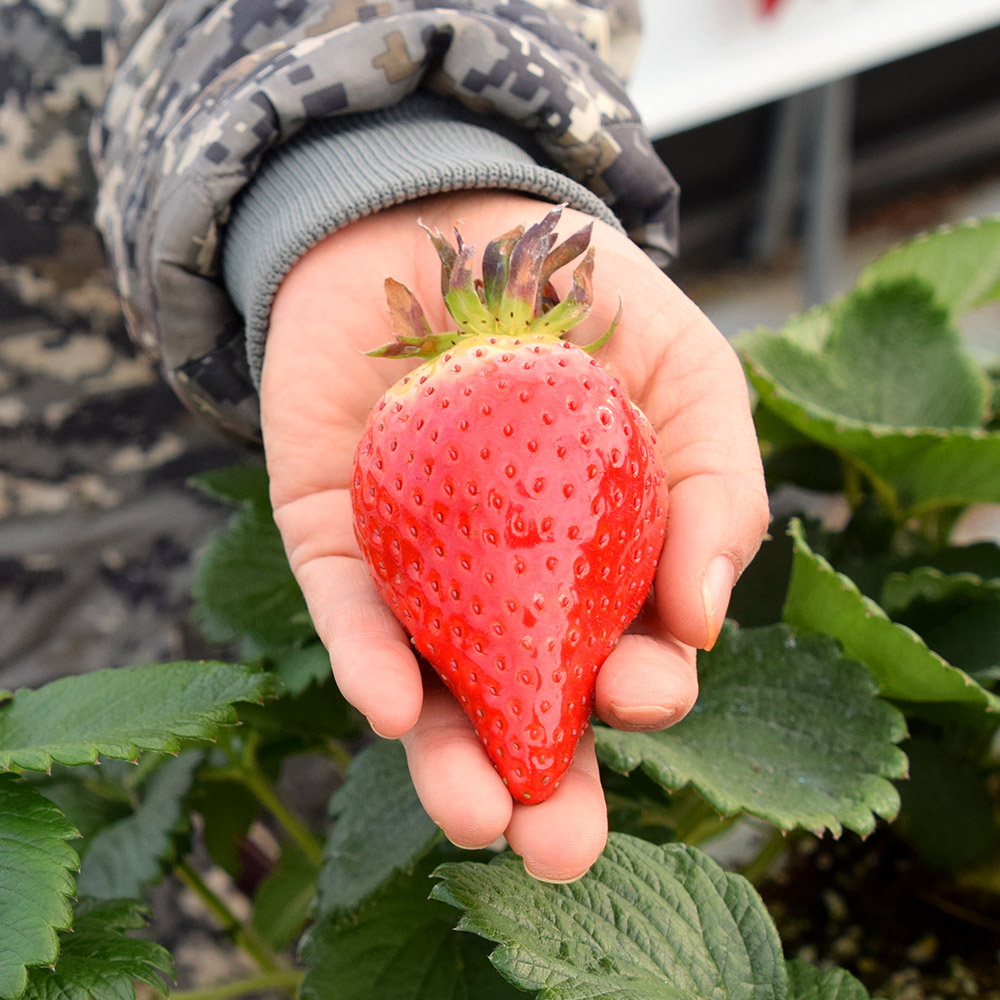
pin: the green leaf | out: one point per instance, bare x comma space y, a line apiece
399, 946
785, 728
84, 806
117, 713
236, 485
891, 358
890, 390
125, 858
646, 923
957, 614
281, 903
300, 668
245, 587
308, 718
961, 263
914, 471
774, 434
36, 882
227, 809
806, 982
981, 559
822, 600
947, 811
119, 780
380, 828
98, 960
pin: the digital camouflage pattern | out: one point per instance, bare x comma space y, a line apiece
203, 90
97, 527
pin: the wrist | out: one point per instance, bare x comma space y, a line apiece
340, 170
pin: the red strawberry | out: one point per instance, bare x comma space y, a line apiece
510, 500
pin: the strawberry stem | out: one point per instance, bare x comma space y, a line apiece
606, 336
514, 298
417, 347
496, 267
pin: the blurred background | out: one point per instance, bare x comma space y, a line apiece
810, 135
806, 138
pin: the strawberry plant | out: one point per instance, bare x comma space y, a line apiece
853, 689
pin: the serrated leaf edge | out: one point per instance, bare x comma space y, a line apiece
874, 610
202, 729
870, 275
724, 884
68, 863
760, 374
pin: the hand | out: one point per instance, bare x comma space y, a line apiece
316, 393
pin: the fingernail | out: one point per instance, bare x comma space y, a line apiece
498, 845
553, 881
641, 717
715, 592
377, 733
463, 847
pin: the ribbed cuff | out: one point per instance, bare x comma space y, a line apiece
338, 170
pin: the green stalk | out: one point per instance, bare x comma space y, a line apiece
755, 869
700, 822
854, 489
243, 935
339, 755
284, 980
255, 780
244, 768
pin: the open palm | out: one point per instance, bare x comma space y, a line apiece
316, 393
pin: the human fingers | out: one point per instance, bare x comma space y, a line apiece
717, 505
370, 653
715, 525
454, 779
649, 681
559, 839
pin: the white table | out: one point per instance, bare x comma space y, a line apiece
702, 60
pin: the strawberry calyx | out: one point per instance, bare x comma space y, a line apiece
514, 297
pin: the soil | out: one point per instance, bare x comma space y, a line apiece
873, 908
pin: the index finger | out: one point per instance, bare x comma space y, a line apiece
370, 653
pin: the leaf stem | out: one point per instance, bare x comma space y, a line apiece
339, 755
755, 869
700, 822
282, 979
853, 484
244, 936
255, 780
245, 769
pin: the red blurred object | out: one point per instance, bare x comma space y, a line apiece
768, 6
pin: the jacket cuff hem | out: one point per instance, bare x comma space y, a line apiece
339, 170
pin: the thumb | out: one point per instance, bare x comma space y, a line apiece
715, 525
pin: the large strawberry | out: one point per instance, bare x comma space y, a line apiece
510, 499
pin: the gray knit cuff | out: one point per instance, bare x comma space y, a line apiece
338, 170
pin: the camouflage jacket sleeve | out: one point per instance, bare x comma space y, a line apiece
205, 95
